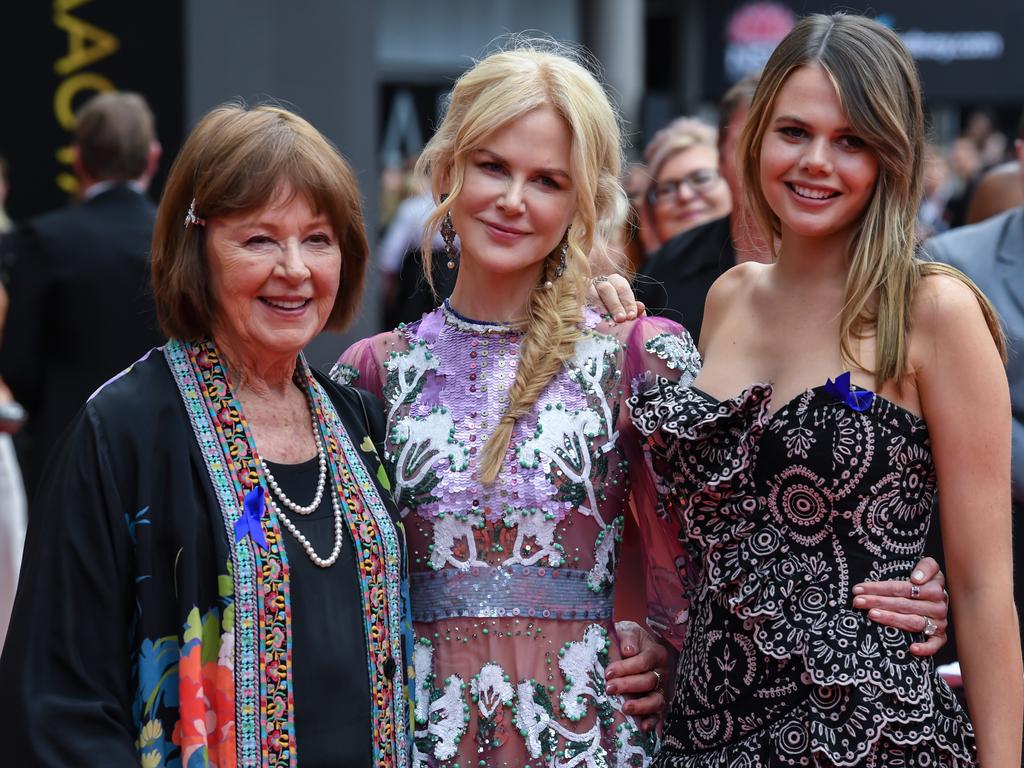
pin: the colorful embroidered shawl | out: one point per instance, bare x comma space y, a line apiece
260, 689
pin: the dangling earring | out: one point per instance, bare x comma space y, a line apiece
563, 249
448, 235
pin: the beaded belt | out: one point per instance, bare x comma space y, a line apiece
514, 591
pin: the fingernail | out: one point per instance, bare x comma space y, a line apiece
858, 590
620, 316
860, 602
628, 649
874, 613
632, 314
612, 688
918, 575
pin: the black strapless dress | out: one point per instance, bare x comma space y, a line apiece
781, 515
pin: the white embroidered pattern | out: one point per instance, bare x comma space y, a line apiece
564, 437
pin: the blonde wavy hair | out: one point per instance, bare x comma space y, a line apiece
499, 89
878, 88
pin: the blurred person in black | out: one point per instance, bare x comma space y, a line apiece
991, 253
675, 279
80, 304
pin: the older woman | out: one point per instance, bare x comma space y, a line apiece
214, 572
686, 189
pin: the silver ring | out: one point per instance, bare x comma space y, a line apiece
915, 591
658, 686
600, 279
930, 628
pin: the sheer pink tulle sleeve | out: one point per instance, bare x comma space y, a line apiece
362, 364
656, 347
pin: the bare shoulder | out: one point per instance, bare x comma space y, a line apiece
736, 280
944, 300
729, 290
951, 325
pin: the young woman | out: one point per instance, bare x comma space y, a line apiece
884, 383
511, 453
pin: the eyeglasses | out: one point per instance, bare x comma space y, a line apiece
699, 182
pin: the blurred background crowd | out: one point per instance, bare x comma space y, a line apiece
76, 198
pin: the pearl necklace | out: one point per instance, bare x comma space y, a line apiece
317, 560
320, 482
307, 510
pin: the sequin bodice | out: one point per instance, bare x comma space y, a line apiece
512, 582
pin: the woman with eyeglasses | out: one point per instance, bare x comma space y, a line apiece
686, 189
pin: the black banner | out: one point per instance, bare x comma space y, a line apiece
57, 55
965, 52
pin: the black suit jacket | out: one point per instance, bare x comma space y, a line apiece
81, 311
675, 280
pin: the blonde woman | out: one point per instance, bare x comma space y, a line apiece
686, 189
511, 454
882, 383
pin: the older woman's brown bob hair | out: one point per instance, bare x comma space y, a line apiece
239, 159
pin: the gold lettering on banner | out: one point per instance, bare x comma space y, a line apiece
63, 99
68, 182
87, 44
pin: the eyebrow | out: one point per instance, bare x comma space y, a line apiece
805, 124
273, 224
541, 171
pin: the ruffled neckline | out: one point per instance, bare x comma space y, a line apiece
456, 320
760, 395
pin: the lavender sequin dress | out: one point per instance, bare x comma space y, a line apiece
512, 583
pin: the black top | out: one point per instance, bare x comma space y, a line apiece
329, 656
675, 280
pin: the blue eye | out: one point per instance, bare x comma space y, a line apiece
492, 167
320, 238
793, 132
547, 181
852, 142
257, 240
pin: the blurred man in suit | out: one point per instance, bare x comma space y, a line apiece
991, 253
80, 306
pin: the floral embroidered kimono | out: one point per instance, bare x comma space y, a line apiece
154, 622
512, 583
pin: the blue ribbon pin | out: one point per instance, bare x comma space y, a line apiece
857, 399
248, 523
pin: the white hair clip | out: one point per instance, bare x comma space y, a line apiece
191, 218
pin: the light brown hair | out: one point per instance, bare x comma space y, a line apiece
238, 159
113, 134
877, 85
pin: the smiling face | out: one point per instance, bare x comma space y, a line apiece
817, 174
517, 198
274, 274
689, 191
